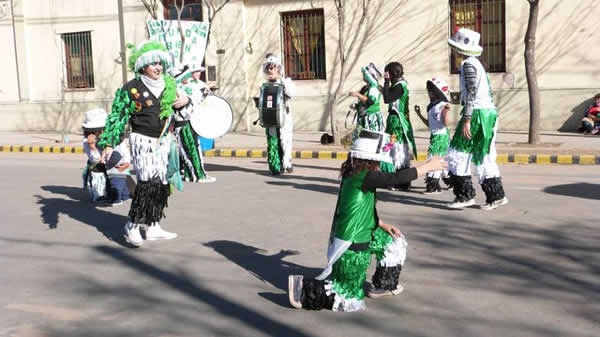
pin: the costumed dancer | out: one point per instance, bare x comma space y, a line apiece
279, 140
190, 152
118, 172
94, 174
147, 103
357, 232
369, 96
395, 94
475, 136
437, 121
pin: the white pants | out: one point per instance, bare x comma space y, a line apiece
401, 155
459, 163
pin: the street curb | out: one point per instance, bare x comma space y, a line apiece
517, 158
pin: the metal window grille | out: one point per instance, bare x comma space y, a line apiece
78, 60
488, 18
192, 11
304, 44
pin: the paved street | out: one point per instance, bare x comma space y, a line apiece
530, 268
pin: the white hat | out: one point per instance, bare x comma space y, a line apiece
440, 86
466, 42
371, 145
271, 59
371, 74
94, 119
181, 72
196, 67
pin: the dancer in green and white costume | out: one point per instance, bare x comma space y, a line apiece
357, 233
279, 140
475, 136
190, 152
395, 94
369, 98
437, 121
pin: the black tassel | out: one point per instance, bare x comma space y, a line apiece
314, 296
463, 187
492, 187
432, 184
149, 202
386, 278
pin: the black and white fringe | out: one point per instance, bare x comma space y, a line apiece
463, 187
493, 189
149, 202
314, 295
432, 184
386, 278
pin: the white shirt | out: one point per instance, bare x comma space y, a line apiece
434, 115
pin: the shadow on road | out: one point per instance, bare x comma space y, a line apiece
80, 209
578, 190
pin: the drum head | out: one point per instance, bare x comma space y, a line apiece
212, 118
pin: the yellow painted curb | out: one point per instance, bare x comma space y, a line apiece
324, 155
342, 155
421, 156
78, 150
209, 153
5, 148
306, 154
587, 160
522, 158
46, 149
502, 159
542, 159
564, 159
256, 154
225, 153
241, 153
68, 149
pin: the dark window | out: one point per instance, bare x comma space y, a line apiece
488, 18
192, 11
78, 60
304, 44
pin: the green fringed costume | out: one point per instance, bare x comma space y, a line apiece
399, 125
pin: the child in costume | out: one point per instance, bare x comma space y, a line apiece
118, 170
190, 153
279, 140
94, 174
369, 96
437, 121
395, 94
146, 103
357, 232
475, 136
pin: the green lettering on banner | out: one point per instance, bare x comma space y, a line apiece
188, 33
187, 48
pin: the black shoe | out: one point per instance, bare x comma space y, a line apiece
290, 169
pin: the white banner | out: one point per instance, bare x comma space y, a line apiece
167, 32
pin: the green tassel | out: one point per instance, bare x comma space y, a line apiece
350, 272
387, 167
438, 144
482, 133
400, 126
169, 96
122, 107
273, 153
187, 137
380, 240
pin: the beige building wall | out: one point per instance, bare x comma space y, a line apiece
411, 32
43, 104
414, 33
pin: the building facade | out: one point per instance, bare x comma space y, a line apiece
62, 56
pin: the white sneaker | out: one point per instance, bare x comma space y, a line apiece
295, 290
155, 232
461, 204
373, 292
133, 235
207, 179
494, 204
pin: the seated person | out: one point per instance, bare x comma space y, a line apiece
591, 122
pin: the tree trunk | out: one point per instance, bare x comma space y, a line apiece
181, 33
530, 72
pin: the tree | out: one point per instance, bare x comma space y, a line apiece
344, 50
151, 7
180, 28
212, 8
530, 73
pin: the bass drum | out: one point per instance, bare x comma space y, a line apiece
212, 118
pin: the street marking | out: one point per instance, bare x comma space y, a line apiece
306, 154
564, 159
256, 154
241, 153
542, 159
325, 155
522, 158
587, 160
502, 159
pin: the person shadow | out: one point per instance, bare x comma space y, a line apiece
271, 269
76, 205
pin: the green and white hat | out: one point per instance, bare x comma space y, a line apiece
146, 53
181, 72
371, 145
466, 42
371, 74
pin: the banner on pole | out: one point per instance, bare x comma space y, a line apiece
167, 32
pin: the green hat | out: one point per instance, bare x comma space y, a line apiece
147, 52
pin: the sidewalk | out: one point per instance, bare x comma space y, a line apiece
555, 147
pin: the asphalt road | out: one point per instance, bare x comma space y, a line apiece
531, 268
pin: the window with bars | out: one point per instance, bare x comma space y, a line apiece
78, 60
304, 44
488, 18
192, 11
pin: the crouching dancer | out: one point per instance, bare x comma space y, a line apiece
357, 232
